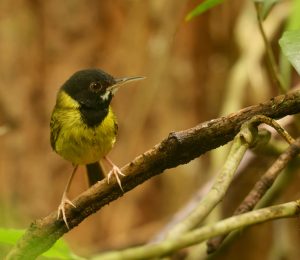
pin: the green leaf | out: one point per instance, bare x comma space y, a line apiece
201, 8
293, 23
290, 45
60, 249
10, 236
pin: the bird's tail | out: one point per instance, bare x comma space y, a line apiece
95, 173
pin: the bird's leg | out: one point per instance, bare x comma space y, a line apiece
115, 171
65, 200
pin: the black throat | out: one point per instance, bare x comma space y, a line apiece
93, 117
94, 110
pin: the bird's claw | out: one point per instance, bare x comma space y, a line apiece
61, 209
115, 171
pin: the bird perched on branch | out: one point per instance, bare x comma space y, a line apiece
83, 126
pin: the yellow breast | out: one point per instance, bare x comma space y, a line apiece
74, 140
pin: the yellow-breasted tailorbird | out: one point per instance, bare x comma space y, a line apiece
83, 126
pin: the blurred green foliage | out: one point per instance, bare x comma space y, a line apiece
59, 251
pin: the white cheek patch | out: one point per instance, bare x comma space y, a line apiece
105, 96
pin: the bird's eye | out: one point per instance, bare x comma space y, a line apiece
96, 87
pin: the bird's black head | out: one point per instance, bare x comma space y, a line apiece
93, 89
90, 88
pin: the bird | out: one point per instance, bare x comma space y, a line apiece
83, 127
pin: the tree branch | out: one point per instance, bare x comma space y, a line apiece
178, 148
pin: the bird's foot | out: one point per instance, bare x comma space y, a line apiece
115, 171
61, 208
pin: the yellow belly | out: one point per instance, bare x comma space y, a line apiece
78, 143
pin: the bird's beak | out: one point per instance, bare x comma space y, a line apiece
122, 81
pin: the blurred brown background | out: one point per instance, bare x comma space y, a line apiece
195, 71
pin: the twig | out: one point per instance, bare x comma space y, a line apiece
271, 122
194, 237
260, 188
178, 148
277, 77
